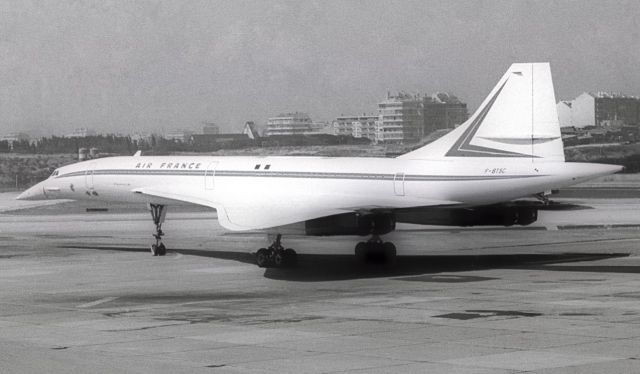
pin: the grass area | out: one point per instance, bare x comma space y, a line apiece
627, 155
591, 152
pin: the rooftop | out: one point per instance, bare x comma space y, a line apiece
612, 95
442, 98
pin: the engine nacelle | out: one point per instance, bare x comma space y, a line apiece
499, 216
527, 216
485, 216
351, 224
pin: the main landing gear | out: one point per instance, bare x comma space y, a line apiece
376, 251
158, 212
276, 255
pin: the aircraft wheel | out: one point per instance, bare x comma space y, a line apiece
161, 250
378, 253
291, 257
154, 249
279, 258
262, 258
361, 252
389, 252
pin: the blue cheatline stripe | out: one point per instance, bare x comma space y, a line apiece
297, 174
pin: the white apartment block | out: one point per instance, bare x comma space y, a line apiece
564, 113
363, 126
400, 119
289, 124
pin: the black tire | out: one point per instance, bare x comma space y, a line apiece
154, 249
361, 252
291, 257
162, 250
262, 258
279, 258
376, 252
389, 252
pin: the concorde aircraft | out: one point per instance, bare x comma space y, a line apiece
477, 174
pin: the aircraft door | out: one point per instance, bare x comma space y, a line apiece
209, 175
398, 184
88, 176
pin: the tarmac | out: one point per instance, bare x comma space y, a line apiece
80, 292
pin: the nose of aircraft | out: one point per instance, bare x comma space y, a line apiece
34, 193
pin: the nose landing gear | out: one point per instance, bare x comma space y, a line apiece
276, 255
158, 213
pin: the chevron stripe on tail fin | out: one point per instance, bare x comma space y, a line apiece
518, 119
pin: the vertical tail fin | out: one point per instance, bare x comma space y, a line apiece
517, 120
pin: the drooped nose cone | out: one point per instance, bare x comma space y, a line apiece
34, 193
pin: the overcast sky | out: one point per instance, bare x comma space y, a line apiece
126, 66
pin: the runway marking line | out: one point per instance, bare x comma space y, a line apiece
97, 302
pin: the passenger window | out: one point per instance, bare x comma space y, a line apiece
267, 167
256, 167
55, 173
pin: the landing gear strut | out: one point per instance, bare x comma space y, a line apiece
375, 250
158, 212
276, 255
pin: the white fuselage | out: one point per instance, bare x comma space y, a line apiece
228, 182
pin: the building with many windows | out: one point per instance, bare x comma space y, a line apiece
363, 126
296, 123
405, 118
443, 111
400, 119
343, 125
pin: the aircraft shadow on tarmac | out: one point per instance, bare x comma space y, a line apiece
320, 267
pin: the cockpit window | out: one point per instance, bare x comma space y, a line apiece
54, 174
